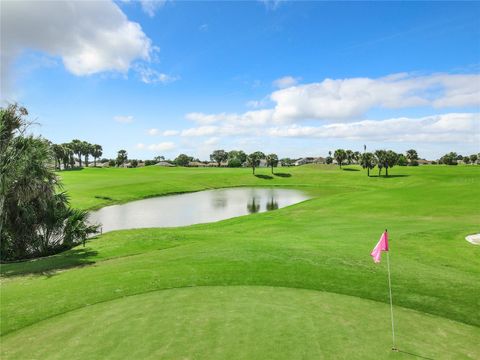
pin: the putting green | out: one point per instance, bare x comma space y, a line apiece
240, 322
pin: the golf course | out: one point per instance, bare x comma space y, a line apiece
292, 283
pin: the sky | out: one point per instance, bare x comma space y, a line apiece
293, 78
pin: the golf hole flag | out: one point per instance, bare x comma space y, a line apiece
382, 245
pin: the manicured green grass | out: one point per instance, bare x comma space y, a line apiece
322, 244
240, 322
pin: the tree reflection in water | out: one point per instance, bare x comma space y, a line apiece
219, 201
272, 204
253, 207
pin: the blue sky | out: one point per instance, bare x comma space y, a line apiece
294, 78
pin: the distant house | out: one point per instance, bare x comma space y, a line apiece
164, 163
423, 162
309, 160
196, 164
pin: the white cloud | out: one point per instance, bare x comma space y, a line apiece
272, 4
123, 119
163, 146
285, 82
140, 146
150, 7
212, 141
255, 117
350, 99
346, 99
150, 76
89, 36
451, 127
154, 132
203, 27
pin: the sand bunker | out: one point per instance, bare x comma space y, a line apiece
474, 239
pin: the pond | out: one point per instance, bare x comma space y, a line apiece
194, 208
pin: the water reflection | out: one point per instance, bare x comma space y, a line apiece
194, 208
219, 200
272, 204
253, 207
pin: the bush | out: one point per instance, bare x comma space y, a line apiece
234, 163
402, 160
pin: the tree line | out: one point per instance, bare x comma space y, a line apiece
452, 158
382, 159
238, 158
35, 216
64, 154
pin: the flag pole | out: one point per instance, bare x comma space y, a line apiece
391, 303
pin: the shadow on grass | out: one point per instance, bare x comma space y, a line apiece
74, 169
284, 175
102, 197
389, 176
349, 169
50, 265
265, 177
414, 355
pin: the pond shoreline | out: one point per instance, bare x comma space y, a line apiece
197, 207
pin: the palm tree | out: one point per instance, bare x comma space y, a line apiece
97, 152
253, 160
381, 156
349, 156
339, 156
411, 155
77, 147
69, 158
86, 150
391, 158
272, 161
367, 160
34, 215
122, 157
59, 154
356, 156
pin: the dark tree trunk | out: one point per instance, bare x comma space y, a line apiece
80, 159
94, 162
386, 171
368, 171
253, 169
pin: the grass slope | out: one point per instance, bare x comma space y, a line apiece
243, 322
321, 244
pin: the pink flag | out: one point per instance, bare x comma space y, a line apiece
382, 245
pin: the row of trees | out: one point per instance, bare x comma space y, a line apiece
453, 158
349, 157
35, 216
237, 158
65, 153
382, 159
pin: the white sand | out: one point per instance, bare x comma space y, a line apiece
474, 239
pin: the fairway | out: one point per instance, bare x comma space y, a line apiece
297, 282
